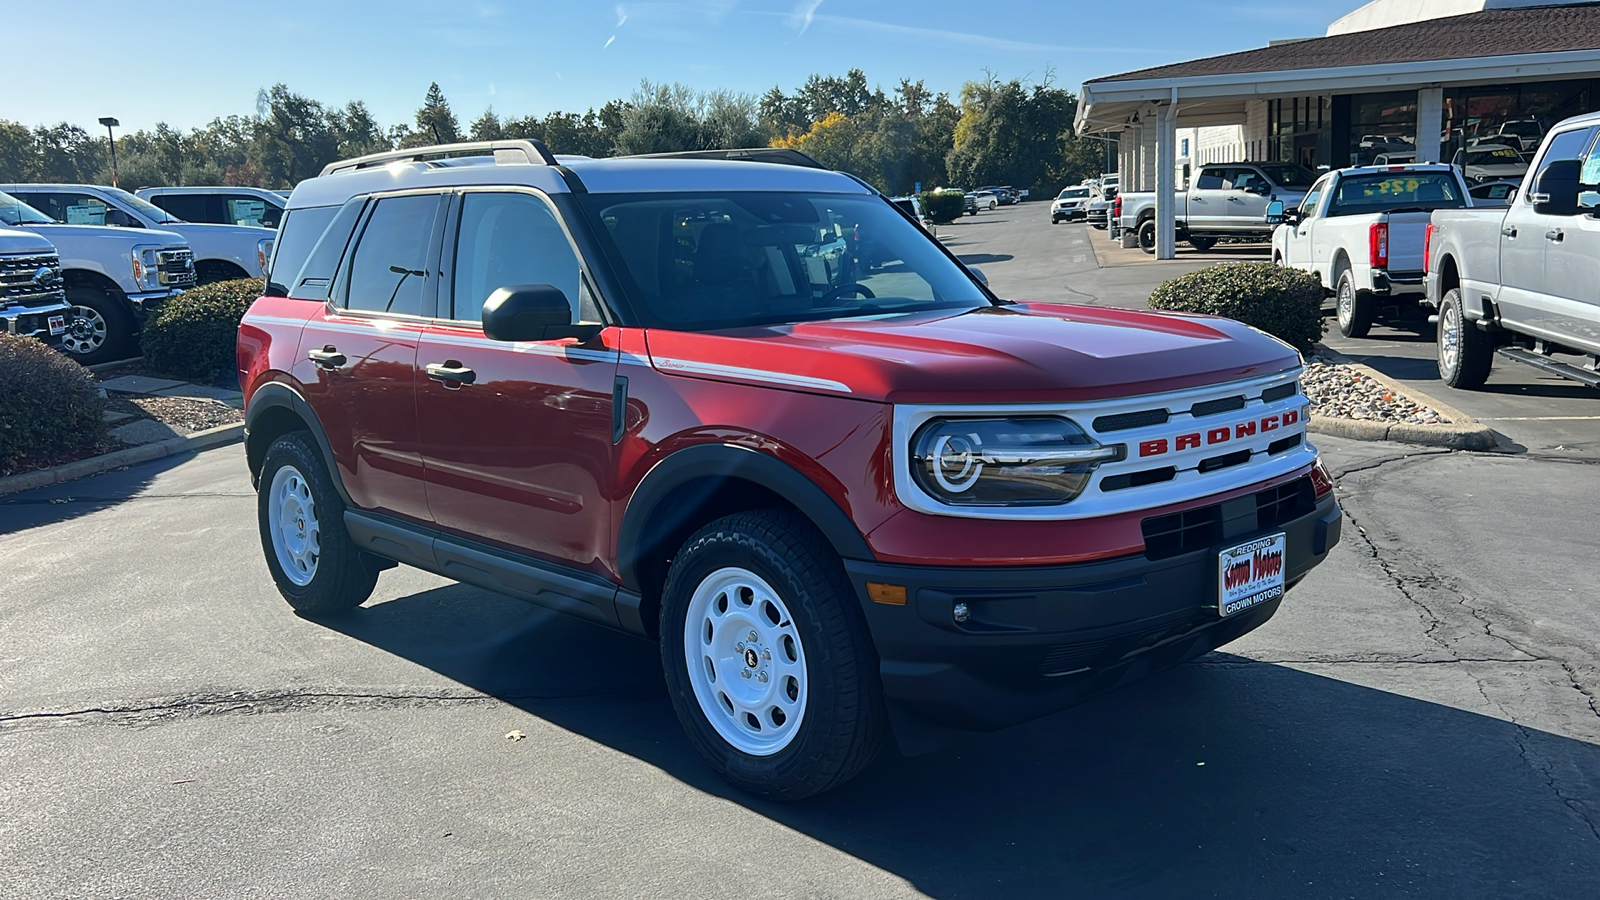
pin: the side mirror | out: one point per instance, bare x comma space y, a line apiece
1555, 191
978, 274
532, 312
119, 219
1276, 213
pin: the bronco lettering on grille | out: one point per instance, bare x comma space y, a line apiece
1196, 439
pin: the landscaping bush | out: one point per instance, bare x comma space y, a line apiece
943, 206
194, 335
1283, 302
50, 407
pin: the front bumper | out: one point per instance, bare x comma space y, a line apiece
46, 323
150, 301
1041, 639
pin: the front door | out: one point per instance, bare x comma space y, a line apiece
517, 437
1248, 196
358, 355
1531, 292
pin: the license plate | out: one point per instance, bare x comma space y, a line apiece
58, 325
1250, 574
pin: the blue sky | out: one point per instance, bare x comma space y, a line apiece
186, 62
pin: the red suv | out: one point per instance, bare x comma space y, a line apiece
848, 501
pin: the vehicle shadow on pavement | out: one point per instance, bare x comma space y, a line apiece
60, 502
1224, 777
981, 259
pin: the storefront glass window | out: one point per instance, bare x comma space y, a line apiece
1383, 128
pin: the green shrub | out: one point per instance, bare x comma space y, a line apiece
943, 205
1283, 302
194, 335
50, 407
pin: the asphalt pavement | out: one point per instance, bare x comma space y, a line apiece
1419, 720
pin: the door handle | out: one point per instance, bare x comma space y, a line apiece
1509, 231
1556, 235
328, 357
450, 373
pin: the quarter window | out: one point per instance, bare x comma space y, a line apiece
507, 239
389, 268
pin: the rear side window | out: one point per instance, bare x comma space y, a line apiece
1209, 180
300, 232
242, 209
390, 264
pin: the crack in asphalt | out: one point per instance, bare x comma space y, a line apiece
264, 702
1430, 579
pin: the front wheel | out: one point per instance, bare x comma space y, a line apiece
99, 327
1202, 244
1354, 308
767, 659
1466, 352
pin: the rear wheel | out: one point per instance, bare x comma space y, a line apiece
99, 326
1353, 307
1466, 352
768, 662
316, 566
1147, 235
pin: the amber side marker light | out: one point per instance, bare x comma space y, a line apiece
887, 594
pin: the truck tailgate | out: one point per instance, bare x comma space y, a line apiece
1407, 232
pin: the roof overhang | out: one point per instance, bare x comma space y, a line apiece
1109, 105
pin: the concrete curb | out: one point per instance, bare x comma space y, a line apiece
101, 367
94, 465
1463, 433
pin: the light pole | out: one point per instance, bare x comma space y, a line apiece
110, 122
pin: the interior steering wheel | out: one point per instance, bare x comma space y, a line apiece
847, 289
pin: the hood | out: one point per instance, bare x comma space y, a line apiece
109, 238
1041, 352
201, 230
16, 241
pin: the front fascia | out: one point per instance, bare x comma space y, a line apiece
1263, 419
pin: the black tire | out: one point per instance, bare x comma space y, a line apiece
1202, 244
1054, 220
1353, 309
1467, 368
1147, 235
100, 327
341, 577
842, 722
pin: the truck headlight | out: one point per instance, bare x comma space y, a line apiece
146, 271
1005, 462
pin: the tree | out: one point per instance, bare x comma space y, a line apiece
1022, 135
486, 127
436, 124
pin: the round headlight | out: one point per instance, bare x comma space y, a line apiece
1005, 462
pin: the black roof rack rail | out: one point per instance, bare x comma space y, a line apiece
782, 156
532, 152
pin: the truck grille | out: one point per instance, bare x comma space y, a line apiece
19, 282
175, 268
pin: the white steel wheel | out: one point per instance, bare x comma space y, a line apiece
293, 528
745, 661
86, 331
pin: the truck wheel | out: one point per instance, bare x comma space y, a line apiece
99, 326
1353, 307
316, 566
1147, 235
768, 662
1466, 352
1202, 244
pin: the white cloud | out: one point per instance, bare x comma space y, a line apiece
609, 42
804, 12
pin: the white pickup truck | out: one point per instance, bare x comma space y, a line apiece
1524, 280
1223, 200
219, 205
113, 277
1361, 230
221, 252
32, 303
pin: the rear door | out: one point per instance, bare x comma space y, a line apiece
360, 353
1208, 199
519, 452
1528, 296
1247, 199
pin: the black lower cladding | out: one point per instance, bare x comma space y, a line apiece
1036, 640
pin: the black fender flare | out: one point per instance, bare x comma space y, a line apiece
276, 395
725, 461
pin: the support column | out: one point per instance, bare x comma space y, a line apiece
1430, 121
1166, 178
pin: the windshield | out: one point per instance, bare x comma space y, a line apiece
1494, 156
15, 212
705, 261
1074, 194
1289, 175
1383, 192
145, 208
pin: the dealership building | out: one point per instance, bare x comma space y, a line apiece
1393, 81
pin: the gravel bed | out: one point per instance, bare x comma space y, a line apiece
1339, 391
185, 415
